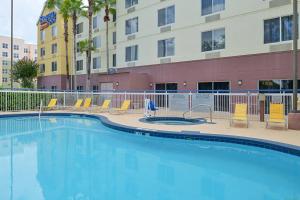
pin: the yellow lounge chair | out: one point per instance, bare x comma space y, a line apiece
276, 115
105, 106
240, 113
52, 103
87, 103
78, 103
123, 109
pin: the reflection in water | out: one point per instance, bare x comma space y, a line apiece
77, 158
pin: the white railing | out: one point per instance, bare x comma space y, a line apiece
169, 104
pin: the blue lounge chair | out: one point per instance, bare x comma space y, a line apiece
152, 107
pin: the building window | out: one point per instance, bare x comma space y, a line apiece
16, 47
4, 54
271, 86
4, 45
79, 65
26, 50
166, 47
53, 88
132, 25
4, 62
205, 87
43, 51
96, 22
54, 31
171, 87
4, 71
54, 66
166, 16
114, 37
130, 3
114, 63
95, 88
79, 28
42, 68
114, 17
212, 6
43, 34
97, 42
213, 40
78, 47
54, 48
16, 55
80, 88
4, 80
131, 53
278, 29
96, 63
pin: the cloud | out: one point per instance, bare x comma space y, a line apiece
26, 14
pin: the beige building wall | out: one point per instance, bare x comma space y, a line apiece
22, 50
99, 52
243, 22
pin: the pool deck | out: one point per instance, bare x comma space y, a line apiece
220, 126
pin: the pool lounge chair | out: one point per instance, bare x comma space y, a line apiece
124, 108
78, 103
86, 105
240, 114
276, 115
152, 107
104, 107
52, 104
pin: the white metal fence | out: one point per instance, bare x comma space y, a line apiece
169, 104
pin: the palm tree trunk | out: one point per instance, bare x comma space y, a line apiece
107, 47
74, 49
107, 40
89, 52
67, 51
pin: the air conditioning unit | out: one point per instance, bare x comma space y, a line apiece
112, 70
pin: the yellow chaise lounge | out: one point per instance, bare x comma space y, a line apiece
240, 113
276, 115
124, 108
104, 107
52, 104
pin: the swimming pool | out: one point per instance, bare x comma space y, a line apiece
77, 157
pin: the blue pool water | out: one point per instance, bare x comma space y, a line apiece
77, 158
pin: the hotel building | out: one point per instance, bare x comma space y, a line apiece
192, 45
51, 50
21, 50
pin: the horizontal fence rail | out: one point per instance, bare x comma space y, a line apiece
221, 104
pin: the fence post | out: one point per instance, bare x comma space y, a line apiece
190, 103
6, 99
64, 98
125, 97
166, 102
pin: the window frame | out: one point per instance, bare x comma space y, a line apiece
213, 11
165, 50
213, 45
131, 4
165, 10
130, 22
54, 62
134, 53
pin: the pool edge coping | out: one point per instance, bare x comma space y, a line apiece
187, 135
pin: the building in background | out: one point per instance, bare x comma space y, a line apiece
22, 50
51, 50
194, 45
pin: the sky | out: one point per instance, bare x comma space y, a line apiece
26, 14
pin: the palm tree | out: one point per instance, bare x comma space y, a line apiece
76, 10
64, 9
109, 6
93, 7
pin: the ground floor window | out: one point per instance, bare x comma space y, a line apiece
80, 88
54, 88
95, 88
204, 87
269, 86
162, 87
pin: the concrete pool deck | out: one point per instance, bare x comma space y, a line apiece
220, 126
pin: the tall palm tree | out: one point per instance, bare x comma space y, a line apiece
93, 7
109, 7
64, 9
76, 10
